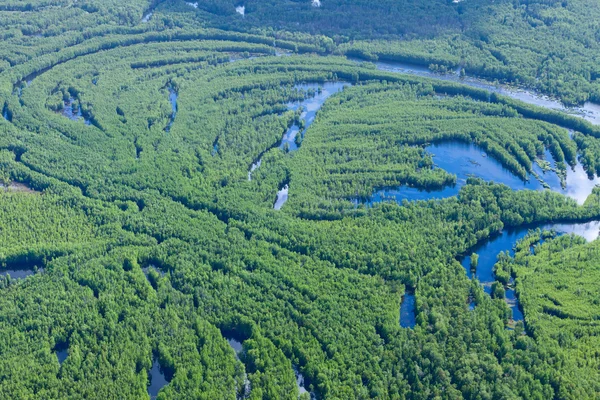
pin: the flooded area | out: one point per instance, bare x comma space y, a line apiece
468, 160
253, 168
6, 114
290, 140
62, 355
72, 110
21, 270
18, 187
244, 390
300, 383
292, 137
489, 249
17, 273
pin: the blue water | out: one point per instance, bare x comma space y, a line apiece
408, 318
244, 388
464, 160
62, 355
489, 249
282, 197
17, 273
236, 346
309, 108
157, 379
72, 111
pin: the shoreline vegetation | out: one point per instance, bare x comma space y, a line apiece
140, 258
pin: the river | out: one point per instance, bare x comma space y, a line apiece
589, 111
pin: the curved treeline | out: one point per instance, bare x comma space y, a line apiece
154, 245
371, 136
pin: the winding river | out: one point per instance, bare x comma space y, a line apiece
238, 347
466, 160
72, 110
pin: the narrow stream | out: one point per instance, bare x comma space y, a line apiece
5, 113
62, 355
72, 110
310, 106
292, 138
301, 384
16, 272
173, 100
282, 197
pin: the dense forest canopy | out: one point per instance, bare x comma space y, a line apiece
144, 144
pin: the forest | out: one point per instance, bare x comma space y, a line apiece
145, 144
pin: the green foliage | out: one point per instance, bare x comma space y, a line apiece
152, 243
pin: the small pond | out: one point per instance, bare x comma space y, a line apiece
408, 317
156, 379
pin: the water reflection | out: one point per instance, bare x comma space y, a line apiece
468, 160
253, 168
290, 140
309, 109
236, 346
19, 273
462, 159
173, 101
62, 355
6, 114
282, 197
244, 390
72, 110
589, 111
